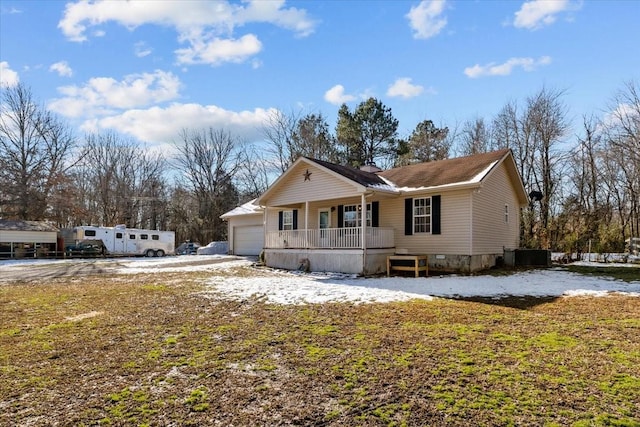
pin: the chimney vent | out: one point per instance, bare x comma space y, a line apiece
370, 167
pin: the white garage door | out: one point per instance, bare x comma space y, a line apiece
248, 240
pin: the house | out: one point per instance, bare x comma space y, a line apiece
245, 231
20, 239
462, 213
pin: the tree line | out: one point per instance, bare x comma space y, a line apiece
584, 188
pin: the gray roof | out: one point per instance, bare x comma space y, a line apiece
367, 179
21, 225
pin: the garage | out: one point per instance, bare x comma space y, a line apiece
248, 240
245, 229
21, 239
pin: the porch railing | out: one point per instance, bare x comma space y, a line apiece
330, 238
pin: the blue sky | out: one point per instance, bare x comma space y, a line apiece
148, 69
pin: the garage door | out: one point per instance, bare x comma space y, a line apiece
248, 240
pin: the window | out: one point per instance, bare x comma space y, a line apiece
287, 220
353, 216
132, 236
144, 237
155, 237
118, 235
90, 233
506, 214
422, 215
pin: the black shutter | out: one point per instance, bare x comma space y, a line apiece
280, 221
340, 216
375, 216
295, 219
408, 217
435, 215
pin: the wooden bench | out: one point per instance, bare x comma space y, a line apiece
420, 263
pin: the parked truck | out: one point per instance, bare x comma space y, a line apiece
120, 240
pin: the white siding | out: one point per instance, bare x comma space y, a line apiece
491, 234
455, 225
321, 186
240, 221
248, 240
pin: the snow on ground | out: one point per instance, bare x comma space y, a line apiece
281, 287
296, 288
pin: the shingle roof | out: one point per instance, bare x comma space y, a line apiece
21, 225
367, 179
249, 208
443, 172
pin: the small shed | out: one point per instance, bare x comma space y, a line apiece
20, 239
245, 229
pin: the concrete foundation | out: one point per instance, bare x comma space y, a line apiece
353, 261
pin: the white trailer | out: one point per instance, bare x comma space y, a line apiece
120, 240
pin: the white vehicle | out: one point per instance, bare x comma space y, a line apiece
120, 240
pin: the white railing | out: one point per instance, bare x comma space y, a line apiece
330, 238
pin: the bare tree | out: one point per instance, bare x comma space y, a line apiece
623, 138
252, 177
35, 147
279, 132
475, 137
207, 162
533, 135
120, 182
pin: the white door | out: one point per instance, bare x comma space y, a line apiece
248, 240
324, 222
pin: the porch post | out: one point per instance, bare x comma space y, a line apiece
363, 222
363, 231
306, 222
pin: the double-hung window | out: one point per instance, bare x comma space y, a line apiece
422, 215
353, 216
287, 220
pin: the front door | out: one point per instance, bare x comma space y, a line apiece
324, 222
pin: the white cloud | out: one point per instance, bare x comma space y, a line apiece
535, 14
8, 77
62, 68
493, 69
140, 49
158, 125
205, 26
425, 19
218, 51
101, 95
404, 88
336, 95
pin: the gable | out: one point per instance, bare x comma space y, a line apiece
309, 181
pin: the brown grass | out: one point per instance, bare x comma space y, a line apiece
152, 350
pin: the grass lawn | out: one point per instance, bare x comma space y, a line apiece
152, 349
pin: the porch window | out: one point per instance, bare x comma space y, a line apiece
287, 220
422, 215
352, 216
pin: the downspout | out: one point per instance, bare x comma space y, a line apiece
471, 227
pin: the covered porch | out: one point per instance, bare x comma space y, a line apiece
331, 238
362, 249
